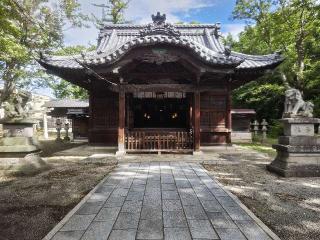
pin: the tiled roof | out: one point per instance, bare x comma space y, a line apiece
257, 61
202, 40
66, 103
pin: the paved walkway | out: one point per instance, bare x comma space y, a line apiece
166, 200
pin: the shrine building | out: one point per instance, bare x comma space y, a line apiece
160, 86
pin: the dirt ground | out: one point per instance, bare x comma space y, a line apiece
289, 206
31, 205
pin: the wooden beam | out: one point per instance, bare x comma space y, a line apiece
196, 121
145, 76
190, 66
122, 120
170, 87
228, 113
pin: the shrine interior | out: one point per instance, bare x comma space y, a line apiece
160, 111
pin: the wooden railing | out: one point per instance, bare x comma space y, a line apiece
158, 141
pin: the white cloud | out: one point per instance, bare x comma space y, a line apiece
139, 11
234, 29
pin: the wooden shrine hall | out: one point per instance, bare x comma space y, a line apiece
160, 86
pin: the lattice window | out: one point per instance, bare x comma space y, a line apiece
213, 111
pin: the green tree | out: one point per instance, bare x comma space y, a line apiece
112, 12
26, 28
291, 26
63, 89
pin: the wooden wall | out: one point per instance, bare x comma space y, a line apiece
213, 118
104, 118
80, 127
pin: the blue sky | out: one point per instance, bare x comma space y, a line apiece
139, 11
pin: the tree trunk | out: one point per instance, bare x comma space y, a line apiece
9, 82
300, 63
284, 79
300, 50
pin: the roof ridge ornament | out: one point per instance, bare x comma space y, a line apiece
159, 19
159, 26
227, 50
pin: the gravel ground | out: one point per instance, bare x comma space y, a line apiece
31, 205
289, 206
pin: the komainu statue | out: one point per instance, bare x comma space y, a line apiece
18, 106
295, 106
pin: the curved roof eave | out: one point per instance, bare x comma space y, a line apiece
258, 61
206, 55
73, 75
201, 40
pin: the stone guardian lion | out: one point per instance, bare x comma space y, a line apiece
295, 106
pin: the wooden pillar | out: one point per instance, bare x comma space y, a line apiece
190, 104
228, 114
122, 120
196, 121
91, 116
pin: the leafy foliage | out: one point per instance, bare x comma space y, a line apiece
112, 12
26, 28
63, 89
291, 26
266, 99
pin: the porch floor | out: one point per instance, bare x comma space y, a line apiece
160, 200
209, 154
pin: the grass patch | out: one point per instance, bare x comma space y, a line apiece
260, 147
50, 147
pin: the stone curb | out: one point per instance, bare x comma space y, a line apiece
51, 234
247, 210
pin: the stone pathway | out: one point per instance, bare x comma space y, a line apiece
166, 200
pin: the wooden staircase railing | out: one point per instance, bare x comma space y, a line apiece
158, 141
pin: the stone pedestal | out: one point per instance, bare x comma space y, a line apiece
298, 151
19, 145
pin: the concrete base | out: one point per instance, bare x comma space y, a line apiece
120, 153
241, 137
299, 126
288, 164
18, 146
197, 153
298, 151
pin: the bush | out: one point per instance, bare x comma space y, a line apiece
275, 129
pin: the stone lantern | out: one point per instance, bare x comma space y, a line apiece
58, 127
264, 129
66, 128
255, 128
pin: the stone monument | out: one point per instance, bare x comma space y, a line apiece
58, 128
298, 151
19, 143
66, 128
